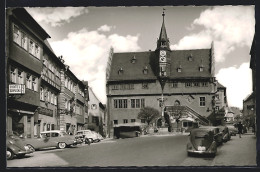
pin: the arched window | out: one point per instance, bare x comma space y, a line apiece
177, 103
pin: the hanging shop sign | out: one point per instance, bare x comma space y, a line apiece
16, 89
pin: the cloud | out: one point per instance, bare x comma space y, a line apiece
238, 82
86, 52
229, 27
105, 28
56, 16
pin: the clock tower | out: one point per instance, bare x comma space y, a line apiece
163, 52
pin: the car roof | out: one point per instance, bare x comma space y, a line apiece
52, 131
83, 130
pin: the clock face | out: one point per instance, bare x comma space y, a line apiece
162, 53
162, 59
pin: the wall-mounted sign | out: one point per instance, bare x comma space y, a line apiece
16, 89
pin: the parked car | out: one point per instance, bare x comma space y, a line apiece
232, 130
53, 138
225, 133
202, 141
16, 147
87, 134
217, 133
100, 137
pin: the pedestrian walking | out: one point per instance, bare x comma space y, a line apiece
240, 129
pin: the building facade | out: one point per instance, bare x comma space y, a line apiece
24, 52
159, 79
96, 118
249, 103
42, 93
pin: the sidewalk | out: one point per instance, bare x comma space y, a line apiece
237, 151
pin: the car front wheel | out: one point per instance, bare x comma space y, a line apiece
9, 154
61, 145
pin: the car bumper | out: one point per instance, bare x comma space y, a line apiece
201, 152
18, 151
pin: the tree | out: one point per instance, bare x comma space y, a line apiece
149, 114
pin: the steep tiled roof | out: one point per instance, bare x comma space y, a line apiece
46, 42
134, 71
131, 71
220, 85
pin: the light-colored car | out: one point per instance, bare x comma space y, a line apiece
53, 138
87, 134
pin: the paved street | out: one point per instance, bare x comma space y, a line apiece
157, 150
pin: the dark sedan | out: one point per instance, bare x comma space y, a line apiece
16, 147
202, 141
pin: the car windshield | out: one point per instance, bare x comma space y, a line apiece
200, 134
63, 133
79, 133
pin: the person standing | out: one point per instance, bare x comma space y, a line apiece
240, 129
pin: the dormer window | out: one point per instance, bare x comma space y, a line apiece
179, 67
145, 71
120, 71
133, 60
201, 66
190, 58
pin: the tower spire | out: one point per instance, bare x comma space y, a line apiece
163, 41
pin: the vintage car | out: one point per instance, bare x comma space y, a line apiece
87, 134
202, 141
53, 138
217, 133
16, 147
225, 133
232, 129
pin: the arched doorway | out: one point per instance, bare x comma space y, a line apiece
177, 103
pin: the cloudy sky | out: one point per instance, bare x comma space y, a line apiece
84, 37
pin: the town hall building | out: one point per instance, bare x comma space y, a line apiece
176, 82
